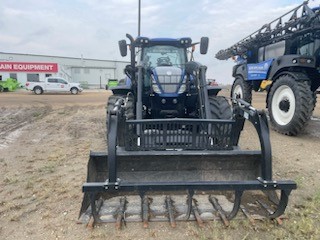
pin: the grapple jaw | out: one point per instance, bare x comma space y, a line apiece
164, 158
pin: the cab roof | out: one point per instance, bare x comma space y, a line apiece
184, 42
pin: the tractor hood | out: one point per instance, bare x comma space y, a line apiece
168, 80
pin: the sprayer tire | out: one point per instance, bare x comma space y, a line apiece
241, 89
290, 105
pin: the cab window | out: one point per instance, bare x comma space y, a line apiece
307, 49
62, 81
274, 50
52, 80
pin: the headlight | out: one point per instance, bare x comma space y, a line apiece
182, 88
155, 86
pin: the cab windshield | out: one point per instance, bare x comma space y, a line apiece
163, 56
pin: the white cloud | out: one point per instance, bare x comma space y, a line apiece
93, 27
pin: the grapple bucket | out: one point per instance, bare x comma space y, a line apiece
162, 159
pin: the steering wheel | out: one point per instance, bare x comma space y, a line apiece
164, 61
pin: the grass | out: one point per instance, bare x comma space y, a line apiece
300, 180
36, 114
49, 168
9, 180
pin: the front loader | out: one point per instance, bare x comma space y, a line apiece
169, 134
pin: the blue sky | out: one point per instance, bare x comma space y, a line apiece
92, 28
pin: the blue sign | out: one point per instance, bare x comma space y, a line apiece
259, 71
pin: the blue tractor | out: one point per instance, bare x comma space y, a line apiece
170, 134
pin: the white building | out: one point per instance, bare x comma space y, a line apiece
92, 72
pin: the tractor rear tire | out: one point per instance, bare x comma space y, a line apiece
241, 89
290, 105
129, 114
220, 108
129, 107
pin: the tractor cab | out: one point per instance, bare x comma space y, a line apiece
167, 87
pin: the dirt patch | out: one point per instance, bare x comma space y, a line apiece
44, 148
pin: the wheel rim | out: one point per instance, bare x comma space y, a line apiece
38, 91
283, 105
74, 91
237, 92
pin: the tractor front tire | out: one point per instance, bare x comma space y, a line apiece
241, 89
290, 105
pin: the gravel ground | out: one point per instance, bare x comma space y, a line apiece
44, 148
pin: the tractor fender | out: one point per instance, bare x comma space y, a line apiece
240, 70
121, 90
214, 90
295, 75
285, 62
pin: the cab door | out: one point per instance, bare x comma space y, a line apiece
63, 85
52, 85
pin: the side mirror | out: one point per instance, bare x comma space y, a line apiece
204, 43
123, 48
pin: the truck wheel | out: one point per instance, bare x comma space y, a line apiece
38, 90
220, 108
290, 105
241, 89
74, 90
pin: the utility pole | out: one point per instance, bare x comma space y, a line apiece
139, 17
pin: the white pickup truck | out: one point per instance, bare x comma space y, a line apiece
53, 84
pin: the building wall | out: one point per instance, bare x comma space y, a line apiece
93, 71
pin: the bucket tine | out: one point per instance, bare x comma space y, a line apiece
267, 208
282, 204
236, 205
121, 211
93, 220
219, 209
145, 211
245, 212
197, 214
189, 203
94, 210
170, 209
